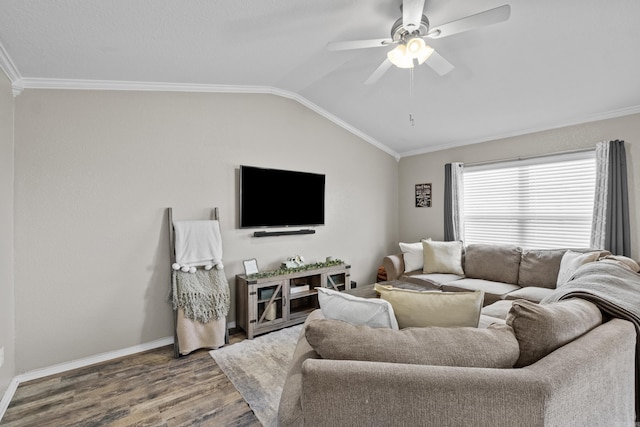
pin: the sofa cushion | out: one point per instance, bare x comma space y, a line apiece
571, 261
530, 293
413, 256
486, 321
494, 347
541, 329
433, 308
498, 263
430, 281
499, 309
373, 312
442, 257
540, 267
493, 291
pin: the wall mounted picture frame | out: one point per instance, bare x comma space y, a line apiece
423, 195
250, 266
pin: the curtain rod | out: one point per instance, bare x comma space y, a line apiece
537, 156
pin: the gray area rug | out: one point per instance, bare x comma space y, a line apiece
258, 368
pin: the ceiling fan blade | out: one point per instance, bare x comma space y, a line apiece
379, 72
359, 44
488, 17
412, 14
438, 63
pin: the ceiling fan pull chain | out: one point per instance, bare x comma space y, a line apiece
410, 82
411, 119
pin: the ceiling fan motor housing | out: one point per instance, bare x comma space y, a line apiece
400, 34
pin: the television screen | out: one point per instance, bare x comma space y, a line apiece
280, 198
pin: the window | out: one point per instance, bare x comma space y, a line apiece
544, 202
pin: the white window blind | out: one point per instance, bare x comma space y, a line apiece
545, 202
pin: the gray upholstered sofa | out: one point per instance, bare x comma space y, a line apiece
586, 382
501, 271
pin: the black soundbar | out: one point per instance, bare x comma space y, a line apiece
282, 233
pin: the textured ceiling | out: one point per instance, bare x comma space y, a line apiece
551, 64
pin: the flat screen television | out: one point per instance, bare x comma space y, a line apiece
280, 198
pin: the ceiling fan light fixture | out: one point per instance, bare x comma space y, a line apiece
404, 54
399, 57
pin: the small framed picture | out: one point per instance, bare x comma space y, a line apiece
423, 195
250, 266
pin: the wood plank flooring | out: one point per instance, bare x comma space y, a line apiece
146, 389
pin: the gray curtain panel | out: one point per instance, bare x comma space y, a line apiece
448, 205
453, 202
617, 234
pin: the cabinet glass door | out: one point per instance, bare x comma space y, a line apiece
270, 303
337, 281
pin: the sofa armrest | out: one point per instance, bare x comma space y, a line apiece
589, 381
394, 266
289, 410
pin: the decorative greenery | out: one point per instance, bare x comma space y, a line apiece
282, 271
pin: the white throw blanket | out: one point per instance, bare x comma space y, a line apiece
198, 243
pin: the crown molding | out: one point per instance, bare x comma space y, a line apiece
34, 83
566, 123
10, 69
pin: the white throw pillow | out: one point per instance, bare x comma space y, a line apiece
413, 256
571, 261
442, 257
373, 312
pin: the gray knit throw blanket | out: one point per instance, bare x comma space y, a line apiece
203, 295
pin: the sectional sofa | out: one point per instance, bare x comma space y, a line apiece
501, 271
564, 362
587, 382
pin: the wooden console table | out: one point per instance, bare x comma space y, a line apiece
266, 304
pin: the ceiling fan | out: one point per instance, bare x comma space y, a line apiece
408, 34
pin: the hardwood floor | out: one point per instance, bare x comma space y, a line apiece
146, 389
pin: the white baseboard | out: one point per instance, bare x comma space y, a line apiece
75, 364
8, 395
80, 363
99, 358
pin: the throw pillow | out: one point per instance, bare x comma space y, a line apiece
442, 257
372, 312
539, 267
543, 328
433, 308
412, 254
571, 261
494, 347
497, 263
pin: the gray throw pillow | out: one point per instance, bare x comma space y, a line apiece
494, 347
539, 267
541, 329
498, 263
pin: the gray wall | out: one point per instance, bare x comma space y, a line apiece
95, 170
416, 223
7, 327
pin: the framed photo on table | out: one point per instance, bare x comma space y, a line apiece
250, 266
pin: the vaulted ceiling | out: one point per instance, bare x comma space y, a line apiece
551, 64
